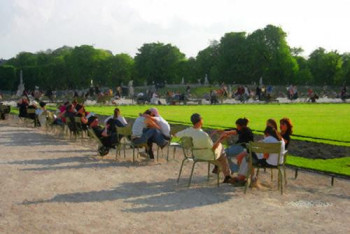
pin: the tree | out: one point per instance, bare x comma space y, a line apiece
119, 69
325, 67
206, 61
270, 56
233, 58
346, 68
158, 62
7, 77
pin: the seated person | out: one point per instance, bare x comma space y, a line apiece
69, 113
163, 124
202, 140
271, 123
145, 131
286, 128
245, 135
22, 106
107, 136
80, 112
271, 136
119, 120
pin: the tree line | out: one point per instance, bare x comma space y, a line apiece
237, 58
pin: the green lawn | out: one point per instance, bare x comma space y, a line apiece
337, 165
330, 121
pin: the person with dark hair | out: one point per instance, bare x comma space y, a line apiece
118, 119
145, 131
245, 135
108, 138
271, 123
22, 106
271, 135
286, 128
205, 145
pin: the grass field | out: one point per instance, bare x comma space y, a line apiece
337, 165
328, 121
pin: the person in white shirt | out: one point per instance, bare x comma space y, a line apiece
271, 136
119, 120
201, 139
163, 124
145, 130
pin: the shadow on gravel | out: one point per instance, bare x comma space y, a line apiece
150, 197
31, 139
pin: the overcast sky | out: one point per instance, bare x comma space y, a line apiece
123, 26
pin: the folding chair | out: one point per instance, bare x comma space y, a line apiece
270, 148
125, 140
188, 150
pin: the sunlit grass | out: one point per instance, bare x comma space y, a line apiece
337, 165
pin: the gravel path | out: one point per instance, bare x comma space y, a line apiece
48, 185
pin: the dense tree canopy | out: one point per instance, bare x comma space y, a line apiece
236, 58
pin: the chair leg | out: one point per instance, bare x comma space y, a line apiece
174, 152
257, 172
157, 153
280, 179
124, 148
189, 181
178, 178
218, 176
271, 175
167, 153
285, 174
208, 170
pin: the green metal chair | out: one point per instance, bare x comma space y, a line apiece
189, 155
270, 148
125, 141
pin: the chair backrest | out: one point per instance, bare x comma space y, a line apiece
93, 135
269, 148
30, 111
262, 147
187, 146
125, 131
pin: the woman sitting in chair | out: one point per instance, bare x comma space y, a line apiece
245, 135
264, 160
286, 128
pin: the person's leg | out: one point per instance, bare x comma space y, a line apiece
224, 165
149, 149
231, 154
157, 137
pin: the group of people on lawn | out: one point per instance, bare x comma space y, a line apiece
150, 128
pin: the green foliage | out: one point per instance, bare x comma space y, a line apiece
236, 58
7, 77
326, 67
158, 62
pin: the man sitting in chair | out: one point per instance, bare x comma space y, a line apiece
202, 140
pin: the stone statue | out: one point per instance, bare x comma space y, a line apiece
131, 88
20, 88
206, 81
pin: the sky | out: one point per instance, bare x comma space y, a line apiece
123, 26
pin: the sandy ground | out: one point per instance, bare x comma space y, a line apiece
51, 185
